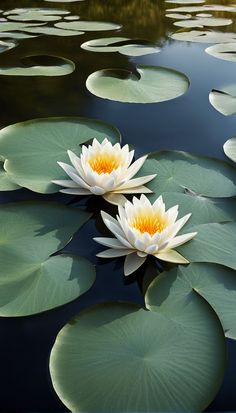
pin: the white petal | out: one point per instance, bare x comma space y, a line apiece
112, 224
115, 199
151, 249
72, 173
140, 245
75, 160
171, 256
113, 253
75, 191
181, 239
132, 263
66, 183
178, 225
134, 168
141, 254
110, 242
172, 214
132, 183
96, 190
138, 190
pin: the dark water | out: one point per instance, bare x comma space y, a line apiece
188, 123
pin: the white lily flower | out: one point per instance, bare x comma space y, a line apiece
143, 229
104, 169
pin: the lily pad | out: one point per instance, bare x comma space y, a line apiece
118, 358
36, 14
206, 36
123, 45
52, 31
185, 1
4, 46
204, 210
149, 84
203, 8
32, 148
11, 26
225, 51
230, 149
224, 100
88, 26
216, 284
31, 279
74, 17
204, 21
40, 66
15, 35
179, 16
214, 243
186, 173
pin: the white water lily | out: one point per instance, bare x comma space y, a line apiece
104, 169
143, 229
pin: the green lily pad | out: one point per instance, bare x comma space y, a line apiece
31, 279
148, 84
216, 284
15, 35
203, 8
224, 100
52, 31
118, 358
4, 46
40, 66
225, 51
36, 14
204, 21
230, 149
32, 148
204, 210
123, 45
88, 25
186, 173
214, 243
11, 26
5, 183
178, 16
206, 36
74, 17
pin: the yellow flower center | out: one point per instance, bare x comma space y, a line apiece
104, 163
148, 223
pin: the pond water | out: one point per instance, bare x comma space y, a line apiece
188, 123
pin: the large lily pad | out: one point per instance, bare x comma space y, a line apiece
148, 84
88, 25
186, 173
32, 148
52, 31
119, 358
216, 284
230, 149
16, 35
4, 46
206, 7
214, 243
204, 36
204, 21
5, 183
35, 14
225, 51
12, 26
40, 66
204, 209
31, 279
224, 100
123, 45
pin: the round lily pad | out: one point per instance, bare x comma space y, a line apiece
88, 25
52, 31
179, 16
205, 7
35, 14
224, 100
123, 45
118, 358
11, 26
5, 183
216, 284
16, 35
230, 149
204, 21
40, 66
32, 148
31, 279
4, 46
148, 84
225, 51
186, 173
206, 36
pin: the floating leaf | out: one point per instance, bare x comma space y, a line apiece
148, 84
40, 66
16, 35
123, 45
204, 21
214, 243
186, 173
178, 16
88, 26
205, 7
31, 279
52, 31
225, 51
185, 1
33, 148
4, 46
224, 100
5, 183
119, 358
206, 36
71, 17
230, 149
216, 284
36, 14
204, 210
11, 26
